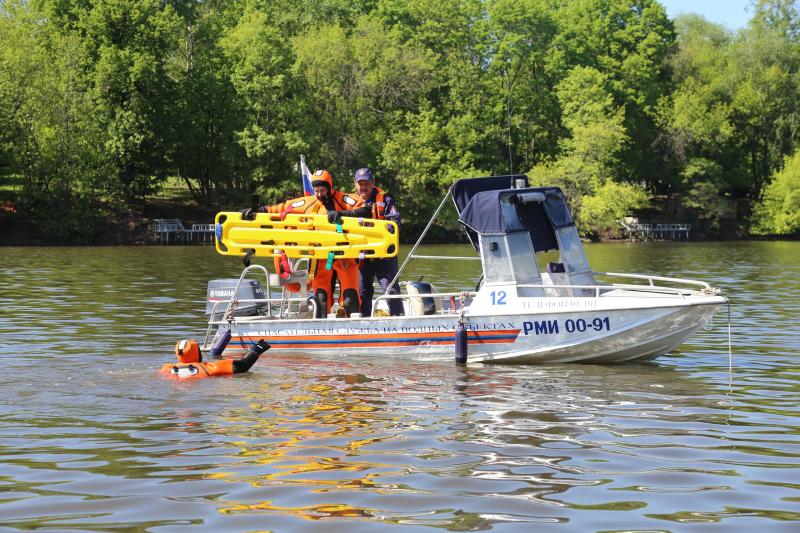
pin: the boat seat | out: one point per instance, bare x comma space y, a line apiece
583, 278
298, 276
556, 274
294, 277
552, 278
419, 304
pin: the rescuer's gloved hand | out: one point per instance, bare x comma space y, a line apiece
260, 347
250, 213
334, 217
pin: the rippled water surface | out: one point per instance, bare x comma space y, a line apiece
92, 439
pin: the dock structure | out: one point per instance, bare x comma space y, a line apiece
657, 232
172, 231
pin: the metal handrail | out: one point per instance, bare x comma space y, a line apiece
254, 300
306, 262
462, 294
598, 290
227, 316
225, 319
651, 279
455, 257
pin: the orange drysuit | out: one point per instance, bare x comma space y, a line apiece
198, 370
190, 363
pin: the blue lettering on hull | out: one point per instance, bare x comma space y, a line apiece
551, 327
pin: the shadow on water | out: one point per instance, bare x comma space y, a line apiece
92, 439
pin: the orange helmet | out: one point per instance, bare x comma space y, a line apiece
322, 177
188, 351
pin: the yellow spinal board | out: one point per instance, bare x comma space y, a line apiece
310, 236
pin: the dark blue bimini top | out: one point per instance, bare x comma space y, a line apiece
536, 210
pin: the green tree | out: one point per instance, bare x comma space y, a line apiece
416, 156
765, 93
602, 211
629, 42
261, 59
585, 170
49, 126
207, 156
361, 83
128, 43
697, 119
702, 193
778, 212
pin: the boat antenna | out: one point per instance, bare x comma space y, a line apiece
508, 119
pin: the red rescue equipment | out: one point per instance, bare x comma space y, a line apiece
282, 266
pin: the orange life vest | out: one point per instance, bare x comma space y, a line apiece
310, 205
223, 367
379, 206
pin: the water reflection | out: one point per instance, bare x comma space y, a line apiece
92, 439
326, 433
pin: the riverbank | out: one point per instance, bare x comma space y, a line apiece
19, 229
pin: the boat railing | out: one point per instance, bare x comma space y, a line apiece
282, 303
447, 305
233, 303
227, 317
450, 257
449, 302
652, 279
596, 291
268, 302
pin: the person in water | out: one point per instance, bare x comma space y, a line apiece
190, 361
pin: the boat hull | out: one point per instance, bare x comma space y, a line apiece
610, 332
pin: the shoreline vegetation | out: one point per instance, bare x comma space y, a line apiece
117, 112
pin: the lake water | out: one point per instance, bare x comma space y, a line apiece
93, 439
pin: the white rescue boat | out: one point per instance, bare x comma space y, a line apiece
524, 311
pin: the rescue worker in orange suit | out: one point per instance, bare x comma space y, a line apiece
377, 204
190, 362
325, 200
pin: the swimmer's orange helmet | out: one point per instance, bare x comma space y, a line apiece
188, 351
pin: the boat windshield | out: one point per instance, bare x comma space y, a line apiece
518, 219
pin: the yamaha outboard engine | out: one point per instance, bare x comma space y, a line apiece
221, 290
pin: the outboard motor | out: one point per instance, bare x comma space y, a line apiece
222, 290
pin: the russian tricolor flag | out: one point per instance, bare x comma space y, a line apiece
308, 190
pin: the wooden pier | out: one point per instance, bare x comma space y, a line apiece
172, 231
657, 232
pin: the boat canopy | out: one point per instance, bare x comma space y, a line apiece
464, 189
487, 206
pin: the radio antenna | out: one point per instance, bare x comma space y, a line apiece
508, 119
